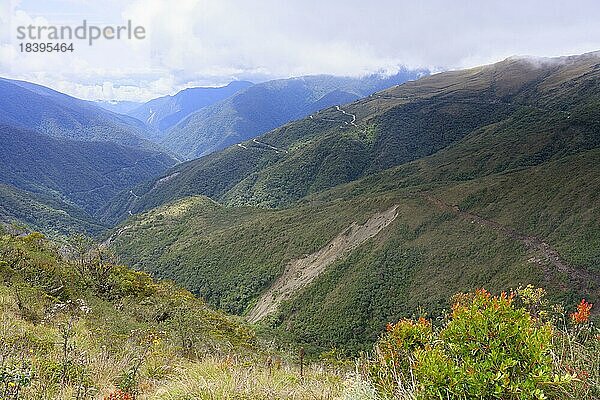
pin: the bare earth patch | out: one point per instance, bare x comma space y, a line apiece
299, 273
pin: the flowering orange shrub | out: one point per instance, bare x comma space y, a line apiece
119, 395
489, 348
582, 315
407, 335
511, 346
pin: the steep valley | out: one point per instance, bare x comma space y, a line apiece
514, 182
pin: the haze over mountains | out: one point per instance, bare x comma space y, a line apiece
119, 106
165, 112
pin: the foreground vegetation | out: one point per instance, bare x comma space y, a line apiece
507, 347
75, 325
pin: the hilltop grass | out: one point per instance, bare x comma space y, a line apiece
226, 379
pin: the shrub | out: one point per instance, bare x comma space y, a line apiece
488, 348
582, 315
123, 282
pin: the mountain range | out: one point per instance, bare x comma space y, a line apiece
37, 108
265, 106
199, 121
65, 156
330, 226
325, 207
165, 112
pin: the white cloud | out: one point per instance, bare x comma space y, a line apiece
210, 42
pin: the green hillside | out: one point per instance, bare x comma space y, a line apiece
525, 108
262, 270
495, 185
62, 158
75, 325
44, 213
87, 173
229, 255
435, 250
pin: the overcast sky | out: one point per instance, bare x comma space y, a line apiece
211, 42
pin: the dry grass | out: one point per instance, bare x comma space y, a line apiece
219, 378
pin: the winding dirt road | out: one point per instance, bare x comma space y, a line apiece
353, 121
263, 145
277, 149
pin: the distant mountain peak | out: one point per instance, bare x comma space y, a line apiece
164, 112
267, 105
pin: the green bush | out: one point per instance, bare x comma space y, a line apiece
487, 349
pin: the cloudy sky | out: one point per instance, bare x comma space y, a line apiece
211, 42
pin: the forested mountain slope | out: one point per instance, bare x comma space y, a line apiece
59, 155
268, 105
491, 173
165, 112
506, 101
88, 173
29, 106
